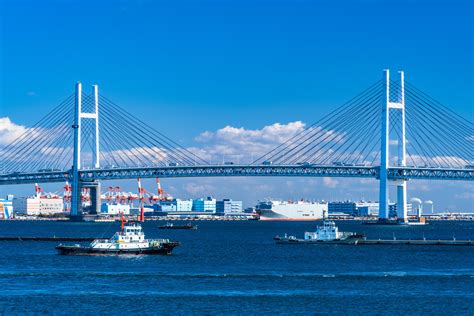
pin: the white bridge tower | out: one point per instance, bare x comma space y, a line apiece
76, 201
387, 106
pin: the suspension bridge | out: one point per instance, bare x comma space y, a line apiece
392, 131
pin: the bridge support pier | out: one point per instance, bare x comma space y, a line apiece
387, 105
94, 189
76, 198
76, 202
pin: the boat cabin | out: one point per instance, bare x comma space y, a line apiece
327, 231
132, 232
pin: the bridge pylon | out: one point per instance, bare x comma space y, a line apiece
76, 201
387, 106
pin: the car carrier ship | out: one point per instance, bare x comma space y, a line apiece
273, 210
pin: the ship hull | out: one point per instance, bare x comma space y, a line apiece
178, 227
285, 211
347, 241
291, 219
164, 249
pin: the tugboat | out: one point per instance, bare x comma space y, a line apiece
173, 226
328, 233
129, 241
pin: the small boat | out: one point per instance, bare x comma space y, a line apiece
129, 241
173, 226
328, 233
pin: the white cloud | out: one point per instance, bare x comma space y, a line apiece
9, 131
241, 144
150, 155
444, 161
330, 182
465, 196
199, 189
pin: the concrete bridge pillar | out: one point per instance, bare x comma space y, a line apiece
387, 106
76, 199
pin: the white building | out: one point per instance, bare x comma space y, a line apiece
175, 205
115, 209
204, 205
44, 205
228, 206
184, 205
362, 208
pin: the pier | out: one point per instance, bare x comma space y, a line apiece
53, 238
423, 242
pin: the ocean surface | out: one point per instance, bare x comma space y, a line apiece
235, 267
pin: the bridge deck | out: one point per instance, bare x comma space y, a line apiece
394, 173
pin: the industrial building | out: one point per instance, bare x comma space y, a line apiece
114, 209
39, 205
176, 205
204, 205
361, 208
228, 206
6, 207
199, 206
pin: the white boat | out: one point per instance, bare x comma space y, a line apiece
273, 210
328, 232
130, 240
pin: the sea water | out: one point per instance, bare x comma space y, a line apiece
234, 267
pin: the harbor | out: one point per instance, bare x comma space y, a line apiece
236, 157
234, 257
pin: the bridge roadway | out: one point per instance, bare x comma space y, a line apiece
395, 173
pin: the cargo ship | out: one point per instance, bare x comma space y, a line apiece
273, 210
129, 241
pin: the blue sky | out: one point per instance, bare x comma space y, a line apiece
193, 66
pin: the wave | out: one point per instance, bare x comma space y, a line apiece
270, 274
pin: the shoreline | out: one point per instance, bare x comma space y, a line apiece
216, 218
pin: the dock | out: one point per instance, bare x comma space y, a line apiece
53, 238
362, 241
423, 242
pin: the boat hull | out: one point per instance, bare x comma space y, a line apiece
348, 241
164, 249
178, 227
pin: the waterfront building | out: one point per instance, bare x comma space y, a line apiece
174, 205
361, 208
39, 205
393, 209
184, 205
345, 207
228, 206
165, 206
6, 207
364, 209
204, 205
115, 209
